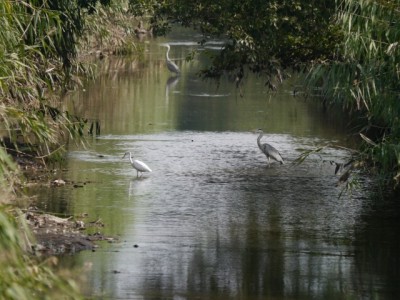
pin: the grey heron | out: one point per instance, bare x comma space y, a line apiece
138, 165
172, 67
268, 150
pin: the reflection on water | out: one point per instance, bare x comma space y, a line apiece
212, 221
170, 86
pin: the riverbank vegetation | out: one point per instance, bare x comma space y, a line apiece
348, 51
23, 277
364, 80
42, 43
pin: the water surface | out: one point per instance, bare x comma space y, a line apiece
213, 220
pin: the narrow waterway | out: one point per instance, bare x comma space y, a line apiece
213, 220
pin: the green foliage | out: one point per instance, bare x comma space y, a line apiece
53, 26
265, 36
38, 45
21, 276
90, 5
7, 174
350, 47
364, 79
38, 50
110, 30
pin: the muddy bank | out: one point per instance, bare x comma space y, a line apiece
55, 235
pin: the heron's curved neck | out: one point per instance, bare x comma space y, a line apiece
259, 139
130, 156
166, 54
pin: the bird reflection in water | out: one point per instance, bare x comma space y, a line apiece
170, 85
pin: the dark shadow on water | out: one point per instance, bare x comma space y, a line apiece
377, 248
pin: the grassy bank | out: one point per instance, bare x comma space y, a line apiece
44, 49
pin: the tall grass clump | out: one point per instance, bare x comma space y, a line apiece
39, 42
37, 48
364, 80
109, 30
37, 51
22, 277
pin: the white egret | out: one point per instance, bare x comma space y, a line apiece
172, 67
138, 165
268, 150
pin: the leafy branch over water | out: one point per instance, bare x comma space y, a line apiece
348, 49
343, 169
364, 80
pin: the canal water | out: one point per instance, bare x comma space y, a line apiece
213, 220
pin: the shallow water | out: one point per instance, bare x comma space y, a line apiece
213, 220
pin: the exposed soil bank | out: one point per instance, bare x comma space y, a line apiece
55, 235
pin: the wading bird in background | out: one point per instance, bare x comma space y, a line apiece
268, 150
138, 165
172, 67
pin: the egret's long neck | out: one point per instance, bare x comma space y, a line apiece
166, 54
130, 157
259, 140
